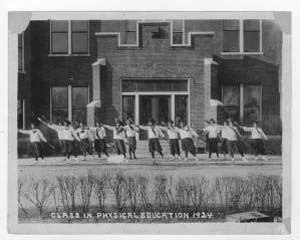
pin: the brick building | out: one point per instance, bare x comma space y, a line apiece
188, 70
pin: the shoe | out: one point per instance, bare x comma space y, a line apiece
244, 159
232, 160
265, 158
185, 159
256, 158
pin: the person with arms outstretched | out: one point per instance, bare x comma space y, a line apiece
35, 138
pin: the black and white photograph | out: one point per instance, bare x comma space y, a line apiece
150, 118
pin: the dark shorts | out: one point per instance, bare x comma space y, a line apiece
131, 143
213, 145
154, 145
120, 146
258, 145
188, 145
174, 146
85, 146
100, 145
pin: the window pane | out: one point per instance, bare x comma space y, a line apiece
177, 37
59, 26
231, 25
252, 103
181, 109
79, 26
59, 104
60, 97
154, 85
79, 43
231, 100
177, 25
128, 107
128, 85
251, 25
79, 102
251, 41
59, 42
231, 41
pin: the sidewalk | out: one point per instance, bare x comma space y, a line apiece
146, 160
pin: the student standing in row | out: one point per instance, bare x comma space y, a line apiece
186, 135
100, 142
35, 137
83, 134
224, 136
257, 137
154, 133
213, 130
173, 135
59, 130
130, 131
69, 137
119, 137
233, 138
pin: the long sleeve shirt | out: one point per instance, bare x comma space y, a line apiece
256, 133
35, 135
172, 132
212, 130
131, 130
153, 132
70, 134
58, 129
82, 133
99, 132
187, 132
229, 133
118, 134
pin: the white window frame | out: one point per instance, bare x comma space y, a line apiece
70, 93
22, 70
69, 22
241, 87
241, 41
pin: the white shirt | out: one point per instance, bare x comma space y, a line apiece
58, 129
153, 132
130, 130
172, 132
35, 135
187, 133
229, 133
69, 134
116, 135
256, 133
212, 130
99, 132
83, 133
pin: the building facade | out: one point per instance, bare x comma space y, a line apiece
189, 70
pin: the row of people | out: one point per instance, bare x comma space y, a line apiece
69, 138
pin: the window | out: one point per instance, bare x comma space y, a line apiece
79, 102
242, 36
130, 34
69, 37
128, 107
59, 37
21, 113
69, 102
181, 108
251, 36
231, 36
79, 36
59, 104
148, 85
178, 30
21, 52
242, 102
